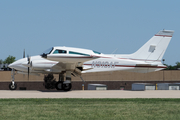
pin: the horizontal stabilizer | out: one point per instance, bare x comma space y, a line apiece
165, 33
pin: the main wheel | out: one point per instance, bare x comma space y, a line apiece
12, 87
67, 86
59, 85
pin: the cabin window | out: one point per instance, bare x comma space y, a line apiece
60, 52
77, 53
96, 52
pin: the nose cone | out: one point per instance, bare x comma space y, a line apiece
12, 65
16, 65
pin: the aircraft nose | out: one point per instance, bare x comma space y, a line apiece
17, 65
12, 65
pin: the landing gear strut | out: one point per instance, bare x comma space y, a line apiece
59, 84
12, 85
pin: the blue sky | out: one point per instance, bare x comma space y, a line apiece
101, 25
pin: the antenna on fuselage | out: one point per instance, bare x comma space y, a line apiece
114, 50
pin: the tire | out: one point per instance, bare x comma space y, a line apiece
67, 87
12, 87
59, 85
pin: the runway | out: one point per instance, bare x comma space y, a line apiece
90, 94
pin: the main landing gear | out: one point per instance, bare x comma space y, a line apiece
63, 86
50, 82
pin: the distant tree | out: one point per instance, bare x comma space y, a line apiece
177, 65
1, 61
170, 67
9, 60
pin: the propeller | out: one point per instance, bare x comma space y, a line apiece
29, 63
24, 57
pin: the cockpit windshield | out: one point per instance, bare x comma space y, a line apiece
48, 51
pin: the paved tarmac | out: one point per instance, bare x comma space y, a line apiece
90, 94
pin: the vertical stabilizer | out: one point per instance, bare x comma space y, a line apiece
155, 48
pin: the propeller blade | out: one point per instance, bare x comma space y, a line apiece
28, 59
24, 54
28, 73
29, 63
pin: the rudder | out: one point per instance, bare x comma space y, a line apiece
154, 49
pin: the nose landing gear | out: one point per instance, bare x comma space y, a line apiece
12, 85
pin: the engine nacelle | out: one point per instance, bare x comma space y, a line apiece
40, 65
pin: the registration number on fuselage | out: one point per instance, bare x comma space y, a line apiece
104, 64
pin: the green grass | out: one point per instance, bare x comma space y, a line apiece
92, 109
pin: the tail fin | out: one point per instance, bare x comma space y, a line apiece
155, 48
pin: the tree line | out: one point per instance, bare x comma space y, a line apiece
10, 59
175, 67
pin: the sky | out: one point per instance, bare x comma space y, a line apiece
101, 25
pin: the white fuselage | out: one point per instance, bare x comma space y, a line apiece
106, 63
61, 59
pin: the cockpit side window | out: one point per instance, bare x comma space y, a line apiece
77, 53
59, 51
96, 52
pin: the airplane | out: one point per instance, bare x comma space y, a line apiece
68, 61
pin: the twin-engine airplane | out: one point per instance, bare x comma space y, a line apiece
67, 61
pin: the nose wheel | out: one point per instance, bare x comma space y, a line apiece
12, 86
